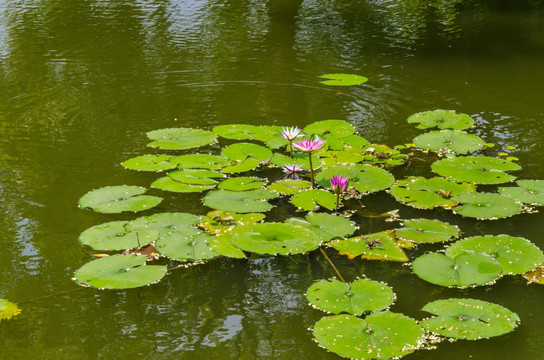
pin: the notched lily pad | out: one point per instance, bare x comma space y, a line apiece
372, 179
166, 183
116, 199
8, 309
289, 186
456, 141
377, 246
443, 119
113, 236
476, 169
528, 192
149, 163
469, 319
119, 272
426, 231
515, 254
424, 193
309, 199
343, 79
356, 298
240, 202
200, 161
180, 138
241, 184
276, 238
337, 128
382, 335
486, 206
241, 151
464, 270
223, 245
247, 132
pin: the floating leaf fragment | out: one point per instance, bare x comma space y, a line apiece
8, 309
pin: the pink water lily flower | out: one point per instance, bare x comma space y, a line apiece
339, 184
309, 144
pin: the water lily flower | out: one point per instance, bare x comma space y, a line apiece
339, 185
290, 134
292, 170
309, 145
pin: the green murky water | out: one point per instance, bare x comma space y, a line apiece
82, 81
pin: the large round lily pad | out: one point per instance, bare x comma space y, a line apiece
149, 163
243, 183
309, 199
476, 169
337, 128
466, 269
356, 298
116, 199
383, 335
528, 192
377, 246
343, 79
330, 226
372, 179
457, 141
241, 151
114, 236
469, 319
290, 186
8, 309
515, 254
185, 243
424, 193
119, 272
200, 161
443, 119
180, 138
486, 206
276, 238
426, 231
240, 202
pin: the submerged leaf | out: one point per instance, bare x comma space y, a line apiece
8, 309
469, 319
119, 272
356, 298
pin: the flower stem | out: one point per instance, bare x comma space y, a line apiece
311, 168
337, 200
330, 262
291, 148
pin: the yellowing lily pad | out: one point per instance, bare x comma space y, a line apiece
8, 309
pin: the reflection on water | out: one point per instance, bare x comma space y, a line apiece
81, 82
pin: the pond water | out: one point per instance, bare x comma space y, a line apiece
83, 81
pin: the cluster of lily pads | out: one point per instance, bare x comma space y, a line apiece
313, 171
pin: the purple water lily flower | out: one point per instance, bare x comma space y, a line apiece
290, 134
339, 185
292, 170
308, 145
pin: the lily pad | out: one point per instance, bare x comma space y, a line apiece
196, 176
166, 183
337, 128
223, 245
119, 272
276, 238
185, 243
330, 226
114, 236
382, 335
355, 141
330, 157
424, 193
476, 169
443, 119
372, 179
116, 199
246, 132
200, 161
241, 151
377, 246
426, 231
515, 254
163, 221
323, 178
180, 138
8, 309
464, 270
290, 187
240, 202
528, 192
243, 166
309, 199
149, 163
343, 79
241, 184
469, 319
356, 298
224, 222
486, 206
457, 141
